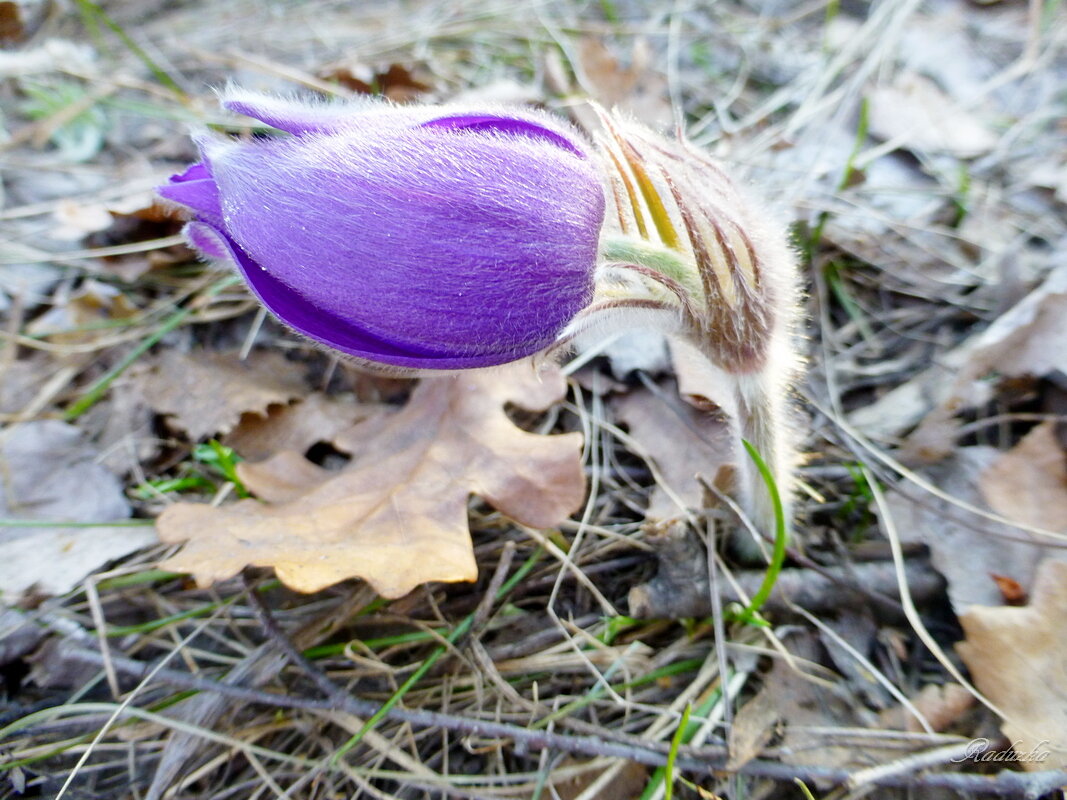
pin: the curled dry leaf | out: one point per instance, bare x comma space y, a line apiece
684, 443
753, 727
1011, 590
684, 439
806, 716
397, 82
206, 393
1027, 339
93, 302
941, 705
74, 220
626, 779
635, 89
700, 382
396, 516
20, 19
1017, 657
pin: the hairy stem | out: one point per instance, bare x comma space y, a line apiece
762, 409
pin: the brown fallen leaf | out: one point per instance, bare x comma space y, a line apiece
1028, 483
1017, 657
941, 705
396, 516
635, 89
1029, 339
91, 303
49, 473
598, 73
206, 393
1012, 591
142, 205
11, 28
20, 19
701, 383
807, 714
298, 426
122, 427
683, 441
395, 81
283, 477
627, 780
74, 221
752, 728
967, 549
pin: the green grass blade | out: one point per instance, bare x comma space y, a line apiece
781, 536
684, 735
94, 15
672, 756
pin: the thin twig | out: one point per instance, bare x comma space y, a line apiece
701, 761
285, 644
485, 607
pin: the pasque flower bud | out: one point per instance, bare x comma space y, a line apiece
447, 237
423, 237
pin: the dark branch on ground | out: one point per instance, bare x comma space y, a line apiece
697, 760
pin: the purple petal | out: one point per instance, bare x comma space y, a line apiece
295, 116
339, 333
208, 240
452, 250
432, 237
194, 172
298, 117
511, 125
196, 190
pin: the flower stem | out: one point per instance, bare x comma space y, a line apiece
763, 482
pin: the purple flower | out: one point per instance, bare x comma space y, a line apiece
427, 237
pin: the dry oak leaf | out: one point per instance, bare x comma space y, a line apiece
316, 418
1018, 659
941, 705
396, 515
206, 393
1028, 483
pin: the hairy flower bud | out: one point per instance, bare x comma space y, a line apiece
423, 237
